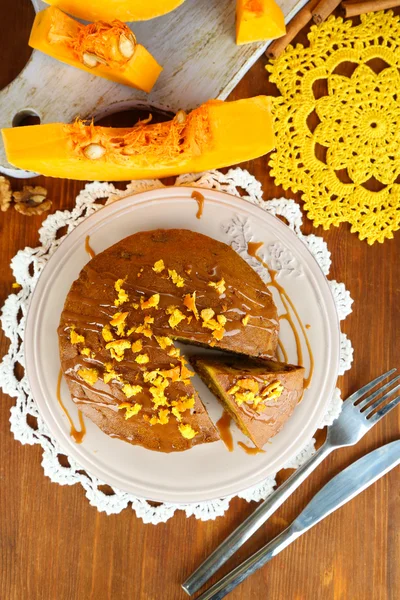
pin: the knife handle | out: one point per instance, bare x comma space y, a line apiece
253, 522
248, 567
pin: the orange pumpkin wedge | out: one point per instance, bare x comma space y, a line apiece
258, 20
105, 49
217, 134
125, 10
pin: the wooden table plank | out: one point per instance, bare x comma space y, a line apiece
55, 546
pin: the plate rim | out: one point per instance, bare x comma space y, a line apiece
68, 243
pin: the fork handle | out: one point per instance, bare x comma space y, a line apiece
253, 522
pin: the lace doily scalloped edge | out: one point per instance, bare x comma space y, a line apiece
27, 266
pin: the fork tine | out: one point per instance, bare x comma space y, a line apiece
371, 397
370, 409
359, 393
384, 411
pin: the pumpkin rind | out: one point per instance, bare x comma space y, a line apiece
217, 134
125, 10
141, 71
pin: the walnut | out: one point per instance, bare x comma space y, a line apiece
30, 211
31, 200
5, 193
32, 196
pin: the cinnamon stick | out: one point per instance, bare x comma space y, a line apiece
353, 9
299, 21
323, 9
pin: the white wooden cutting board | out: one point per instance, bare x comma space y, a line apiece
195, 44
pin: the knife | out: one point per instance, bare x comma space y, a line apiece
339, 490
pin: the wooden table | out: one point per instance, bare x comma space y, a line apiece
55, 546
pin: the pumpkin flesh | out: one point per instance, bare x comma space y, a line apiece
258, 20
107, 10
215, 135
63, 38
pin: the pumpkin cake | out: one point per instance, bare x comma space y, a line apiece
125, 310
259, 395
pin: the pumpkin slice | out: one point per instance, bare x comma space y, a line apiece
259, 395
125, 10
258, 20
105, 49
217, 134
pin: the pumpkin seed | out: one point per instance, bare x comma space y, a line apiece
89, 60
94, 151
180, 116
126, 45
92, 60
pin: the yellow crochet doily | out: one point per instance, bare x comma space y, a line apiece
356, 125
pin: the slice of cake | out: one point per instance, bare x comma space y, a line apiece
123, 314
259, 395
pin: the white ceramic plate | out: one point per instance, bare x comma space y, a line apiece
207, 471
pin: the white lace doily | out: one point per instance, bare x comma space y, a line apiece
27, 266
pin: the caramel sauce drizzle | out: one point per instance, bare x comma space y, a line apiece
252, 249
223, 426
250, 449
88, 247
282, 354
76, 434
200, 201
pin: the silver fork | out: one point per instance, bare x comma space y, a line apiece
355, 419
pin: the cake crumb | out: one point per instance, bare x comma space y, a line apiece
245, 320
162, 419
249, 384
117, 348
107, 334
87, 352
176, 317
122, 294
131, 409
176, 279
151, 302
118, 321
173, 374
109, 373
90, 376
75, 338
142, 359
219, 286
174, 352
159, 266
185, 372
207, 314
272, 391
131, 390
187, 431
163, 341
216, 325
246, 390
144, 328
190, 302
137, 346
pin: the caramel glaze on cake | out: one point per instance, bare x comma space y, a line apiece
259, 395
122, 314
